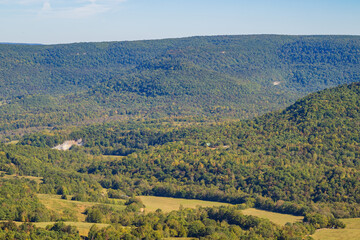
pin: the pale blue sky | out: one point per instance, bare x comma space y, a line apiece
64, 21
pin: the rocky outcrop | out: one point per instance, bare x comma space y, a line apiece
68, 144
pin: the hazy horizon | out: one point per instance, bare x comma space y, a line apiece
154, 39
60, 21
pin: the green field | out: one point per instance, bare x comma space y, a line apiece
351, 232
76, 208
274, 217
180, 238
12, 142
62, 206
38, 180
169, 204
108, 157
83, 227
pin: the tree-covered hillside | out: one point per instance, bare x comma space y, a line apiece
303, 160
221, 76
307, 153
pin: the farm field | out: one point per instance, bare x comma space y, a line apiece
83, 227
278, 218
168, 204
76, 208
65, 207
351, 232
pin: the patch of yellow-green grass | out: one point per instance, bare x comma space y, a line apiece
350, 232
351, 223
38, 180
179, 238
108, 158
63, 206
169, 204
83, 227
278, 218
12, 142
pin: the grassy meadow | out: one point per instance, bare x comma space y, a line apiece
38, 180
351, 232
169, 204
108, 157
75, 209
278, 218
66, 207
83, 227
179, 238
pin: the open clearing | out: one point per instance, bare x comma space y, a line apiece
179, 238
278, 218
351, 232
109, 157
62, 207
152, 203
38, 180
81, 226
77, 208
12, 142
168, 204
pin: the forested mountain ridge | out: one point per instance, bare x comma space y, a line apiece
222, 76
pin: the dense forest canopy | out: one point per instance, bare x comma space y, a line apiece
221, 76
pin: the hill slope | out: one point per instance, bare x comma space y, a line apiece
309, 152
303, 160
223, 76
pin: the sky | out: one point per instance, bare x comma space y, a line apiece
68, 21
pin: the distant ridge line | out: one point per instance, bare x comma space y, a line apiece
10, 43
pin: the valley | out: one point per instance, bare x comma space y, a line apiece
219, 77
223, 137
75, 210
54, 202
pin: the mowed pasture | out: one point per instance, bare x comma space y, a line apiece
277, 218
64, 207
168, 204
350, 232
83, 227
